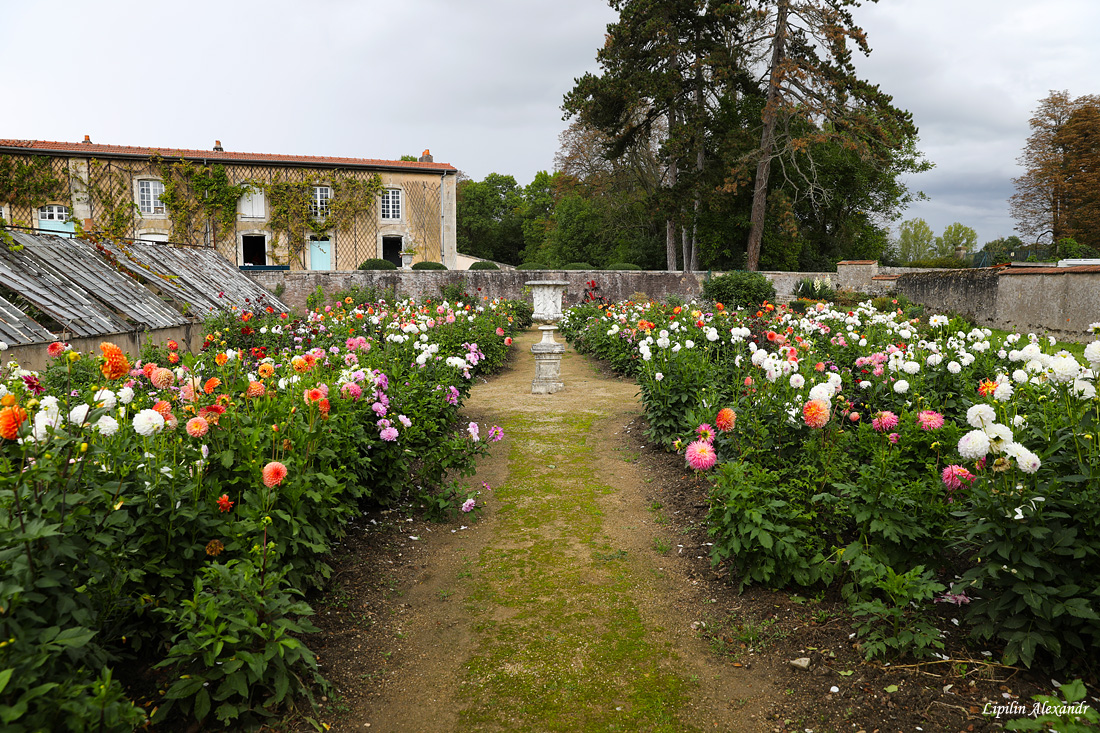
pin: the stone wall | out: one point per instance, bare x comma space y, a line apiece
1058, 301
612, 284
189, 336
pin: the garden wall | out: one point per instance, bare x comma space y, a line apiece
33, 356
1059, 301
613, 284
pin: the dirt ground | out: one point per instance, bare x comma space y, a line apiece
584, 599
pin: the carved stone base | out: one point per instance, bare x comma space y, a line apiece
547, 363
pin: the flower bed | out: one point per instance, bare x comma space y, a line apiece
172, 510
901, 462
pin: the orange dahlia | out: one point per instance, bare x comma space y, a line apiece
725, 419
148, 369
162, 378
163, 408
11, 419
221, 359
266, 370
816, 413
197, 427
211, 384
255, 389
55, 349
115, 365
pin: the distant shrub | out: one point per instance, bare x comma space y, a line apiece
814, 289
623, 266
954, 263
377, 264
531, 266
577, 266
429, 266
484, 266
739, 289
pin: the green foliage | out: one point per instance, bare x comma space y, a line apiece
454, 291
291, 207
428, 265
30, 181
622, 266
739, 289
237, 650
947, 262
196, 195
915, 240
1071, 713
377, 264
763, 527
955, 236
114, 213
482, 265
577, 266
531, 266
813, 288
316, 299
488, 219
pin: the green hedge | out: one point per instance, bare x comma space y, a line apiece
427, 266
484, 266
623, 266
377, 264
739, 289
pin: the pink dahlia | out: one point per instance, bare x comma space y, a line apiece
197, 427
705, 432
884, 421
930, 420
274, 473
700, 455
955, 476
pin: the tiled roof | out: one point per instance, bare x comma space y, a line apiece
107, 151
1079, 269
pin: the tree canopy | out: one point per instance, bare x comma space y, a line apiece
1058, 196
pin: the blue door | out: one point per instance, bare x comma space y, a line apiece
320, 254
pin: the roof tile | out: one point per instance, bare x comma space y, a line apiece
92, 149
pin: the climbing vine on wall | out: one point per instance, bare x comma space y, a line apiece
197, 195
291, 211
111, 199
30, 182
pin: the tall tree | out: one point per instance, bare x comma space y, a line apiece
811, 78
1044, 194
488, 218
1080, 141
955, 236
915, 240
664, 63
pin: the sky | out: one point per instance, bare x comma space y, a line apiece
480, 82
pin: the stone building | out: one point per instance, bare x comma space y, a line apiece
259, 210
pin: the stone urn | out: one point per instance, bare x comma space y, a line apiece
407, 260
546, 297
547, 363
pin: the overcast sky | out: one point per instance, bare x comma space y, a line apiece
480, 82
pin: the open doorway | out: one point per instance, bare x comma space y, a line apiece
391, 249
254, 250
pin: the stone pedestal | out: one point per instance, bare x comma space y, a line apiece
547, 363
546, 296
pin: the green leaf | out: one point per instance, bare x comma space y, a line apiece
891, 688
5, 675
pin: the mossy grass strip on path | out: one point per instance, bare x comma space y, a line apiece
562, 643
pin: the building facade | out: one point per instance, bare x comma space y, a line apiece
256, 209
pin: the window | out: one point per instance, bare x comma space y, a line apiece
391, 203
149, 193
252, 204
319, 206
53, 212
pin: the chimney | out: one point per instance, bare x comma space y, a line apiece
426, 157
218, 146
87, 139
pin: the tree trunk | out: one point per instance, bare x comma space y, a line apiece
767, 139
670, 244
